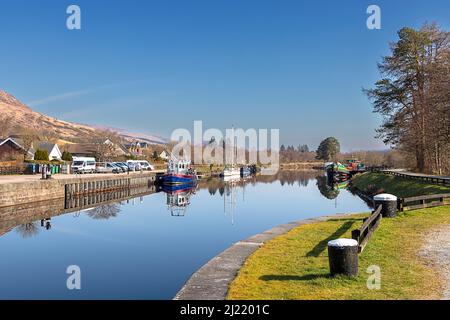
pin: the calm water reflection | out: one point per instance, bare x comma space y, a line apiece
147, 247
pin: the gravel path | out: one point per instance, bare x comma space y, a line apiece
436, 252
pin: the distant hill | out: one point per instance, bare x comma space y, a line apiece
21, 116
144, 137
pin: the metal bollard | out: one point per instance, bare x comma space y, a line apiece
343, 257
388, 204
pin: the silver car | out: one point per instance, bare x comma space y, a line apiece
107, 167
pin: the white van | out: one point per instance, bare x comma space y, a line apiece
83, 165
145, 165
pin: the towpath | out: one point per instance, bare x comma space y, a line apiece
436, 253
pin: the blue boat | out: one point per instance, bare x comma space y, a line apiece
179, 172
178, 198
246, 171
175, 179
177, 188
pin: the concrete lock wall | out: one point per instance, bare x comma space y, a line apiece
12, 194
11, 217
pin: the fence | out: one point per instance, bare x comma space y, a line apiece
429, 179
377, 168
420, 202
365, 232
370, 224
8, 170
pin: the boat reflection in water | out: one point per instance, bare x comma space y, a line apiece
178, 198
229, 195
340, 185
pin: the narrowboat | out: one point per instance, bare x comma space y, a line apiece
337, 171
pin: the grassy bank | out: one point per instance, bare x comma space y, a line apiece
295, 265
400, 187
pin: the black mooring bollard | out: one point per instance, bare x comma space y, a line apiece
49, 172
388, 204
343, 257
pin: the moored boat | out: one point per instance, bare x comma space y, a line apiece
178, 198
249, 170
231, 171
246, 171
337, 171
355, 166
179, 172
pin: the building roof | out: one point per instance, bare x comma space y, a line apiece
16, 143
166, 153
138, 144
47, 146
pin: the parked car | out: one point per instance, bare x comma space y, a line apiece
123, 166
137, 165
83, 165
120, 169
134, 165
107, 167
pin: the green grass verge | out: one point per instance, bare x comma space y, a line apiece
400, 187
295, 265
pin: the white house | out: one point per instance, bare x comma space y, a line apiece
165, 155
53, 150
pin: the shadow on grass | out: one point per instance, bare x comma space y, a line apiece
322, 245
306, 277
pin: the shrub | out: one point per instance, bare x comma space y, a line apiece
67, 156
374, 190
41, 155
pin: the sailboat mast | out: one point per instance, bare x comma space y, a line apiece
234, 146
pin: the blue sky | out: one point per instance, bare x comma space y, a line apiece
153, 66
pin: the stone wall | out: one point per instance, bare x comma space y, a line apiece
29, 214
11, 217
12, 194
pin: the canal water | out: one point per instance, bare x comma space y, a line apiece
147, 247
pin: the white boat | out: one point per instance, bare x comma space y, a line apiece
231, 171
231, 178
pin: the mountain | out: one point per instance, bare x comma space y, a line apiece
18, 115
131, 136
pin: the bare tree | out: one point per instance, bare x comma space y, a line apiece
104, 212
6, 126
29, 137
28, 230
